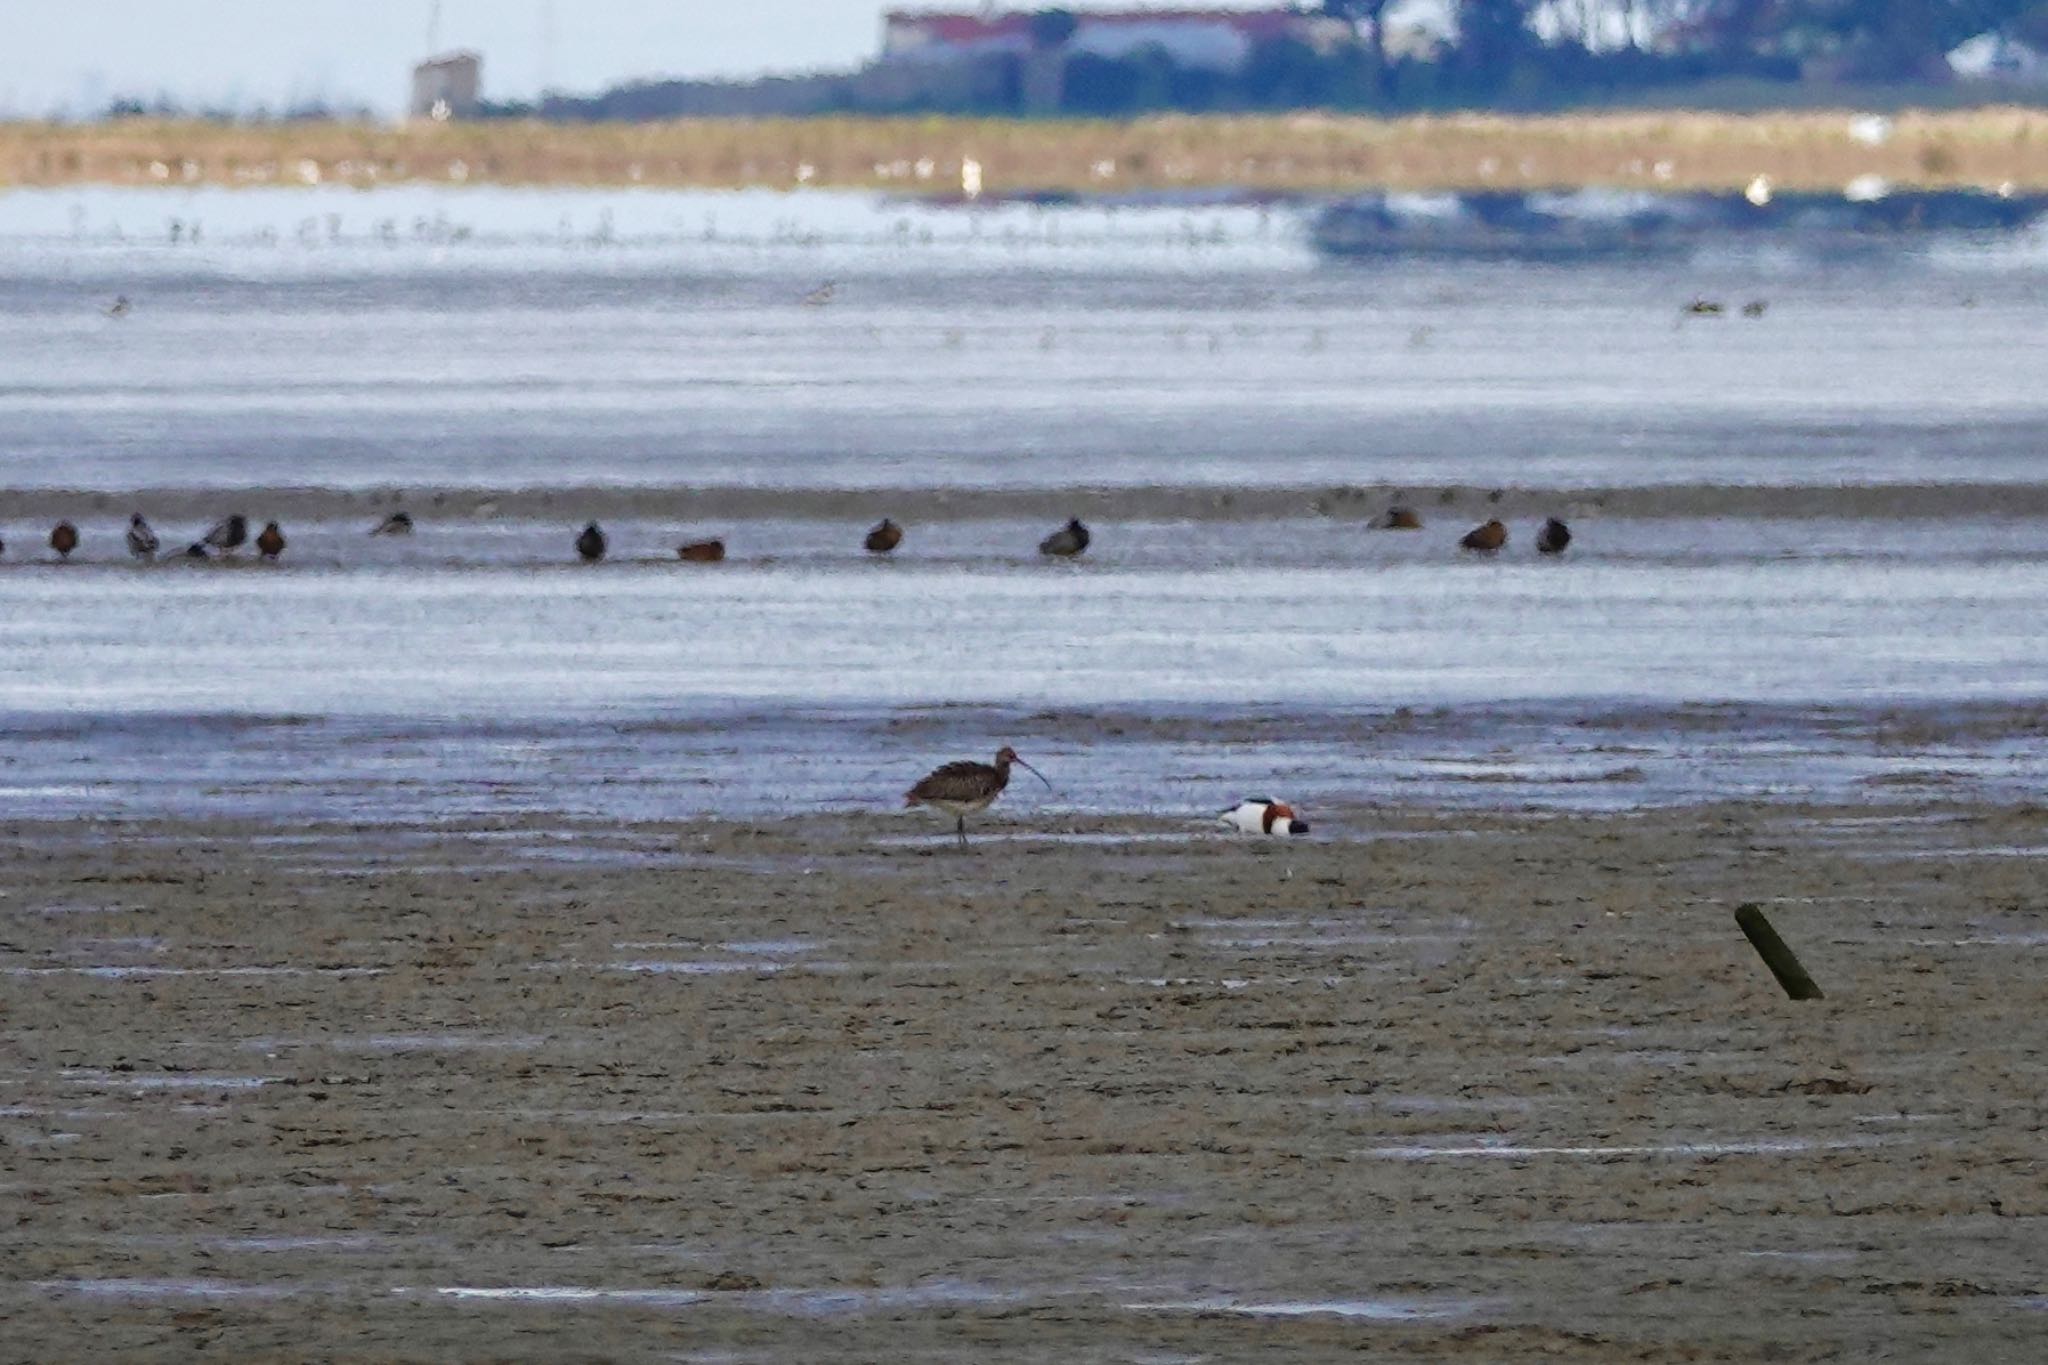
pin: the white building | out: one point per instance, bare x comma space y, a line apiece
448, 86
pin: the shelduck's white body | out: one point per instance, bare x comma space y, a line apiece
1260, 815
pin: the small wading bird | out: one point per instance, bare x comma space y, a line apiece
271, 543
1263, 815
64, 539
1066, 542
964, 788
142, 541
1554, 536
397, 524
1397, 518
1704, 308
227, 534
590, 544
702, 551
1486, 539
886, 536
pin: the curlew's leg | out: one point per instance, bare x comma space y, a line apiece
961, 830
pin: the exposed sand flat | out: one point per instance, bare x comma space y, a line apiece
1359, 502
1501, 1085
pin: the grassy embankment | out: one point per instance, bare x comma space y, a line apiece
1303, 153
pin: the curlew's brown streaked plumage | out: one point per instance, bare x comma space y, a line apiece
1553, 538
1068, 541
885, 536
701, 551
591, 544
270, 544
64, 539
964, 788
1486, 539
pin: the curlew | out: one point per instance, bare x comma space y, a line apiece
1397, 518
885, 536
270, 544
227, 534
1263, 815
64, 539
1554, 536
590, 544
142, 542
964, 788
397, 524
1485, 539
701, 551
1066, 542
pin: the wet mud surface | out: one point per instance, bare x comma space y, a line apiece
1431, 1085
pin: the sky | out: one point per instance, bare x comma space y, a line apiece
71, 59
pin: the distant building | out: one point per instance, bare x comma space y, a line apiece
448, 86
1214, 40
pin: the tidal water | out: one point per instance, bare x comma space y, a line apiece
495, 360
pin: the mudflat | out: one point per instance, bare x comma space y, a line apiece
1437, 1086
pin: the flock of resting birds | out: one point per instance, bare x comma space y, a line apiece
225, 537
957, 789
231, 533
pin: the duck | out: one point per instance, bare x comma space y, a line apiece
1485, 539
1068, 541
885, 536
142, 542
1553, 538
270, 544
64, 539
701, 551
227, 534
591, 544
1263, 815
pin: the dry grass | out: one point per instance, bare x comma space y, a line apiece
1813, 150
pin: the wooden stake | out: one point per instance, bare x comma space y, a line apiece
1782, 961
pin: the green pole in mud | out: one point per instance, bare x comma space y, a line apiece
1782, 961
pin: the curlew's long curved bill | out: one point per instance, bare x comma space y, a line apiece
1034, 772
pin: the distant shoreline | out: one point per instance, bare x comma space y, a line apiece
1272, 154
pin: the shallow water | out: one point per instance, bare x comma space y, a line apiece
509, 341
